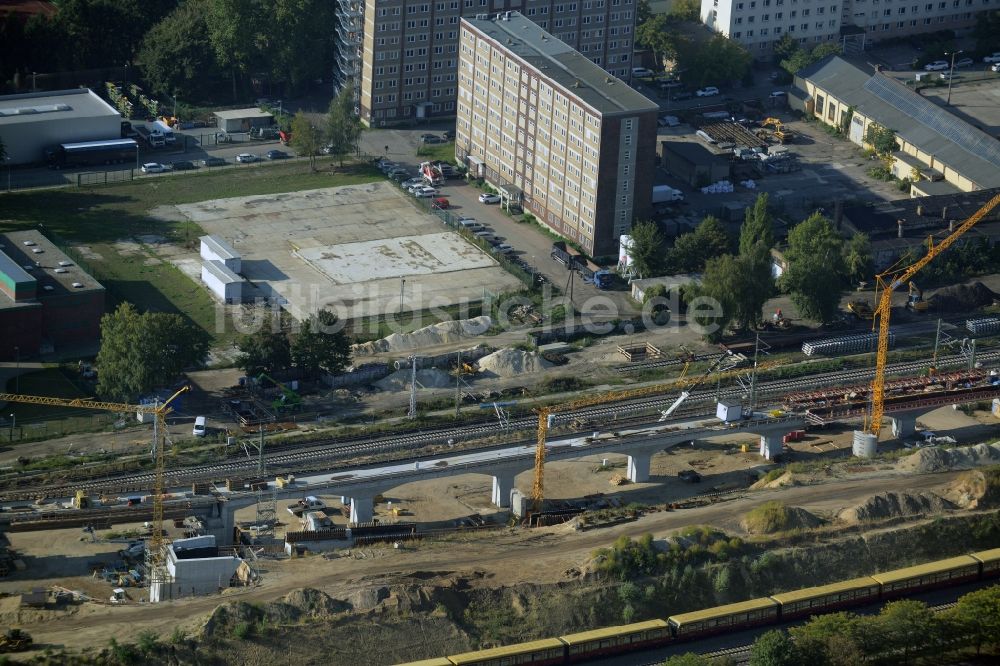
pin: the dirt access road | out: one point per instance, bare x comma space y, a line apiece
544, 555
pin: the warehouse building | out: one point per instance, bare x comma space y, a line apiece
692, 162
32, 122
553, 132
47, 302
897, 227
243, 120
934, 145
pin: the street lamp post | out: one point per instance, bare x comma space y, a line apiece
12, 423
33, 86
402, 284
7, 160
951, 73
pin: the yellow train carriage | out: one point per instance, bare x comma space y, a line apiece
990, 562
826, 598
436, 661
952, 571
536, 653
723, 618
586, 645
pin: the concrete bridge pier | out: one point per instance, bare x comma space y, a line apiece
503, 484
638, 466
362, 510
771, 445
904, 424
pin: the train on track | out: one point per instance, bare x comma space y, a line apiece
583, 646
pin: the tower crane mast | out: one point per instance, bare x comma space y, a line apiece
888, 282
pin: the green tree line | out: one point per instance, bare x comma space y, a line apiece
194, 49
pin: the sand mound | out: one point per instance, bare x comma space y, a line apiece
976, 489
512, 362
962, 297
786, 479
428, 336
895, 505
933, 459
429, 378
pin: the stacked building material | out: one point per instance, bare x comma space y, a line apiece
849, 344
983, 325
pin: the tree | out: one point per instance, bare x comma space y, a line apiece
306, 139
653, 34
321, 345
693, 249
907, 626
801, 58
987, 31
978, 614
265, 350
646, 249
297, 42
642, 12
235, 28
758, 225
881, 139
3, 150
176, 55
858, 261
785, 47
343, 129
774, 648
721, 282
715, 61
815, 268
142, 351
686, 10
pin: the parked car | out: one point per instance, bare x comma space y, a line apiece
707, 91
778, 94
441, 202
669, 85
450, 135
965, 62
246, 158
431, 138
276, 155
502, 248
487, 198
668, 121
641, 72
681, 95
386, 167
995, 67
153, 167
425, 193
214, 161
183, 165
994, 57
411, 182
936, 66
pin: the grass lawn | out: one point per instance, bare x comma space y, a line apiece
99, 217
51, 382
438, 152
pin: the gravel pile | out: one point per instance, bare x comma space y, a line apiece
933, 459
962, 297
429, 378
512, 362
428, 336
895, 505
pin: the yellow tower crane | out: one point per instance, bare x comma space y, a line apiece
544, 414
155, 559
888, 282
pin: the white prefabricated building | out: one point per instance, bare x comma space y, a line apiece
195, 568
221, 281
214, 248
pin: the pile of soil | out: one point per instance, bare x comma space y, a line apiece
962, 297
895, 505
786, 479
512, 362
428, 336
933, 459
428, 378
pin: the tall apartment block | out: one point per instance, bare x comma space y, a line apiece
348, 45
409, 58
554, 132
758, 24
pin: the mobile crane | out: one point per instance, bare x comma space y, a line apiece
546, 415
888, 282
155, 556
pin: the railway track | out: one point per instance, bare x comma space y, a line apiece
318, 456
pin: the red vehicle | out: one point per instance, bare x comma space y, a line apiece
284, 137
441, 203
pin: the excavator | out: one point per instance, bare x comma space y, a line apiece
861, 309
915, 300
288, 399
15, 640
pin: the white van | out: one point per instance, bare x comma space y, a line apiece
199, 427
471, 225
